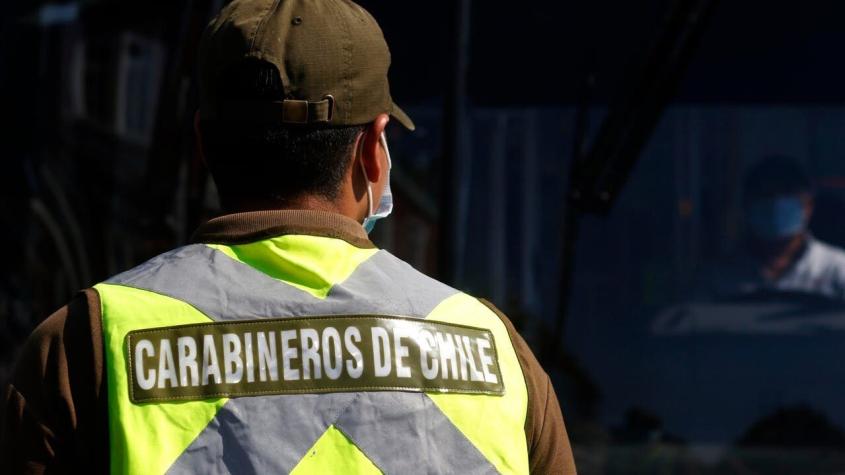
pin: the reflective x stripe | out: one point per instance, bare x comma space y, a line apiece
244, 434
407, 433
225, 289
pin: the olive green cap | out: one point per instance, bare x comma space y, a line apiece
331, 56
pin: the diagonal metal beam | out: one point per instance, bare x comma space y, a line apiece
598, 176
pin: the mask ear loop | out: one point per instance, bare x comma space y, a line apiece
383, 140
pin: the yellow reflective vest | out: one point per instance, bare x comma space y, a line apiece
305, 354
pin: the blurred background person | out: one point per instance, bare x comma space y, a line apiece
781, 254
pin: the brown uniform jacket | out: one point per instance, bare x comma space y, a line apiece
56, 415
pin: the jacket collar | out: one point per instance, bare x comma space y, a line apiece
241, 228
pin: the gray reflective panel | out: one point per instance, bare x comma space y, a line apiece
407, 433
394, 287
244, 435
225, 289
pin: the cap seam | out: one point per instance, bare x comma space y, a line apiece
347, 66
264, 17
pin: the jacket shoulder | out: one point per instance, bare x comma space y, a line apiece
164, 262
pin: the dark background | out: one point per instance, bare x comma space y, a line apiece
100, 174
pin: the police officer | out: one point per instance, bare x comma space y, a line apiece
281, 340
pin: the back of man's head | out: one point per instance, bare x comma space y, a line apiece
269, 160
286, 87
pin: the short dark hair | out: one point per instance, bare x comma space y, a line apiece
271, 161
776, 175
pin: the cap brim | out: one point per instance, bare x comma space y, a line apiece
403, 118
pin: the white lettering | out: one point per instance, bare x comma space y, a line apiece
462, 357
210, 366
233, 365
474, 374
401, 351
250, 365
333, 366
309, 344
148, 381
354, 366
289, 353
381, 352
166, 366
187, 349
486, 360
426, 344
446, 348
267, 357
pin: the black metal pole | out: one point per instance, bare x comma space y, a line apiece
570, 224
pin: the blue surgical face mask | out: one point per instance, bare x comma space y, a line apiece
385, 204
777, 218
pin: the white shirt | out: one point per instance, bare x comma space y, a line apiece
820, 270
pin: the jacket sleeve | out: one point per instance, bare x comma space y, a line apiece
549, 451
54, 418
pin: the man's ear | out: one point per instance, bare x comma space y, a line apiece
198, 135
371, 151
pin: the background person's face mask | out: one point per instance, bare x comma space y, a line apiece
777, 218
385, 205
